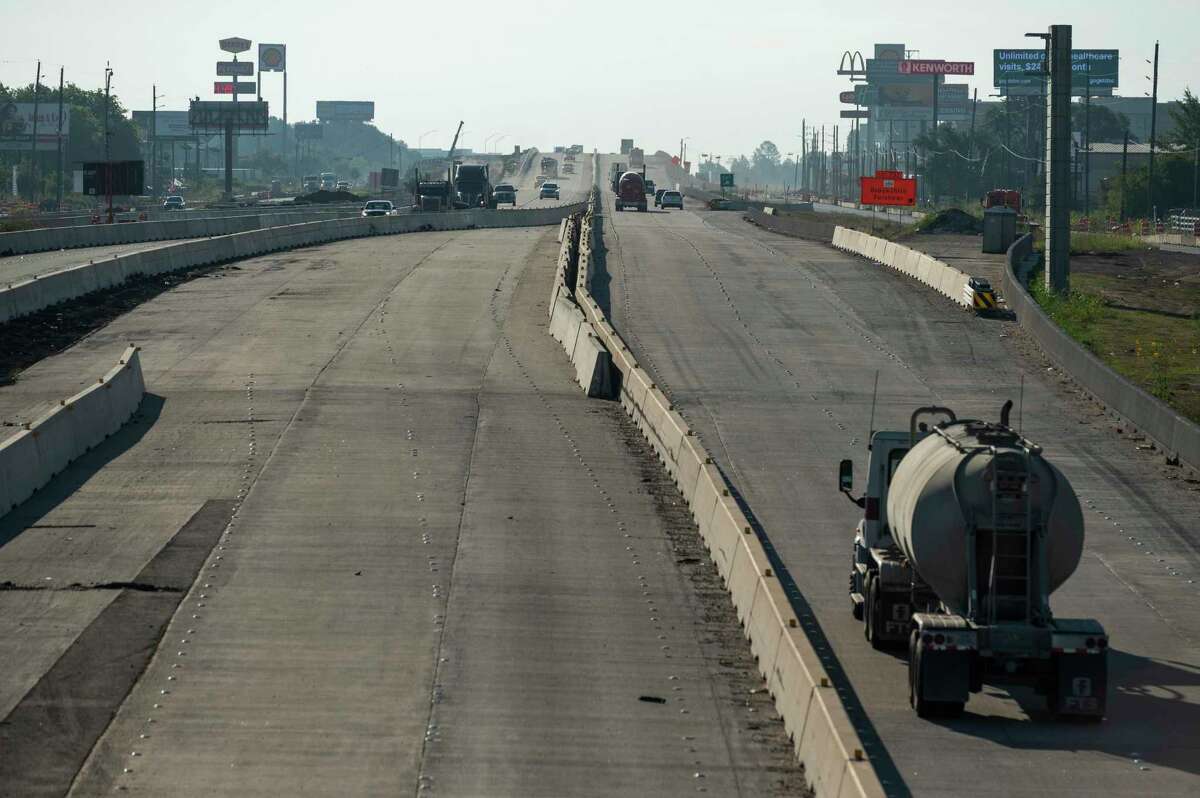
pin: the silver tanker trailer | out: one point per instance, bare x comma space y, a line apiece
966, 531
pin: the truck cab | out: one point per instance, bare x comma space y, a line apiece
875, 555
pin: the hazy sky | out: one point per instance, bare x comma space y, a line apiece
725, 74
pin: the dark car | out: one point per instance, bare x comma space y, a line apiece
658, 196
650, 187
671, 199
173, 203
504, 192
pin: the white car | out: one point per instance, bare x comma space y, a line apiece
379, 208
548, 191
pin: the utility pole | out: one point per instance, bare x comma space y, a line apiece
154, 138
804, 151
974, 105
1087, 152
108, 73
1153, 131
37, 84
59, 182
1058, 159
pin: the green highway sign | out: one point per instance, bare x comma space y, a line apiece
727, 180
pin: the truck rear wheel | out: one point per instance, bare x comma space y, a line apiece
872, 609
916, 684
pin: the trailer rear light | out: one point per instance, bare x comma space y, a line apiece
927, 638
1102, 642
939, 639
1090, 642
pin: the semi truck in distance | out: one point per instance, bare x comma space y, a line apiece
472, 186
626, 146
631, 192
637, 158
550, 167
966, 531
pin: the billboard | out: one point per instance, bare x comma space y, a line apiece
389, 178
888, 188
345, 110
895, 102
272, 58
213, 115
169, 124
16, 125
127, 178
1020, 71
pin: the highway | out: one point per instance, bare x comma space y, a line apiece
388, 544
770, 346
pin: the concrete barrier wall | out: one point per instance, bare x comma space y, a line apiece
825, 740
30, 296
97, 235
46, 446
1176, 435
946, 280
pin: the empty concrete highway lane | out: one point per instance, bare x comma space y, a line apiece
770, 347
389, 548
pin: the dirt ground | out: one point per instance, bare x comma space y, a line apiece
1155, 280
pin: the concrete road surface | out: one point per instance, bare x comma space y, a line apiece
770, 346
427, 564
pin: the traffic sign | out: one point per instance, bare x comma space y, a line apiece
232, 68
235, 44
727, 180
888, 188
847, 97
229, 87
272, 57
863, 114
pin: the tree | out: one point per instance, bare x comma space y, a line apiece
957, 165
1173, 176
1106, 124
765, 163
1186, 115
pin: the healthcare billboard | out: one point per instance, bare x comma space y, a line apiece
1020, 71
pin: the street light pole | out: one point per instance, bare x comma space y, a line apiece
1153, 132
108, 73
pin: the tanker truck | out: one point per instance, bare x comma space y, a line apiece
966, 531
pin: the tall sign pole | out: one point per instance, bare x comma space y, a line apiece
37, 84
1058, 159
59, 183
1153, 133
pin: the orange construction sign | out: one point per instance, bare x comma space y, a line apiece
888, 188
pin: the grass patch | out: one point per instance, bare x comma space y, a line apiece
1098, 244
1160, 353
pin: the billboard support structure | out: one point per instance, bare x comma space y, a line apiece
1058, 160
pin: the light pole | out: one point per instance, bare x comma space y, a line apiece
421, 137
496, 143
108, 74
155, 97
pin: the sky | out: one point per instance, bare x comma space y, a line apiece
724, 76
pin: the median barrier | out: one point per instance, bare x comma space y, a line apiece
1176, 436
33, 294
45, 239
825, 740
593, 365
46, 446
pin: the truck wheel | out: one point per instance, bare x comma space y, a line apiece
872, 609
